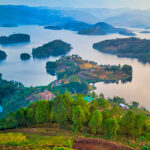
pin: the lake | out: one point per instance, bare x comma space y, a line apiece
33, 72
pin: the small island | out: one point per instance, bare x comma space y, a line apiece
9, 25
3, 55
54, 48
126, 47
15, 38
53, 27
146, 32
74, 71
25, 56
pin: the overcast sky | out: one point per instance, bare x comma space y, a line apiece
141, 4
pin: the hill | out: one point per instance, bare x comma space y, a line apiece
102, 28
126, 47
72, 122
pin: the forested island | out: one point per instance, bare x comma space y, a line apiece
3, 55
126, 47
15, 38
54, 48
25, 56
76, 74
53, 27
9, 25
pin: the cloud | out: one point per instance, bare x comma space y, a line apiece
142, 4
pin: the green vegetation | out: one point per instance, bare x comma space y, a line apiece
3, 55
100, 118
36, 139
54, 48
25, 56
75, 74
8, 87
126, 47
14, 38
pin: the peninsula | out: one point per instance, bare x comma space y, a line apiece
126, 47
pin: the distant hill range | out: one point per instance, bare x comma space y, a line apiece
100, 28
13, 15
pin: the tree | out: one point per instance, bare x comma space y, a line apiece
135, 104
128, 123
140, 123
111, 126
115, 112
63, 110
102, 103
42, 112
96, 122
78, 118
21, 117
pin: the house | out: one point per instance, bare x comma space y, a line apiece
123, 106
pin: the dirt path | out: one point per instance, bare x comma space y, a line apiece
98, 144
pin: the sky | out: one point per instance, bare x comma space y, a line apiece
136, 4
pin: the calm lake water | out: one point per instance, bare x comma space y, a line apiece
33, 72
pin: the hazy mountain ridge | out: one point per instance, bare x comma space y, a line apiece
12, 14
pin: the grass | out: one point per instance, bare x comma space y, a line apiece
39, 139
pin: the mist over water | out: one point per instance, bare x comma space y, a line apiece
33, 72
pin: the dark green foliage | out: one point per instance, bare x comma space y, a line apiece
73, 87
25, 56
3, 55
9, 122
14, 38
127, 69
54, 48
8, 87
135, 104
50, 67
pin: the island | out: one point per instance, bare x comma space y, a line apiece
3, 55
9, 25
102, 28
74, 73
145, 32
126, 47
54, 48
15, 38
53, 27
25, 56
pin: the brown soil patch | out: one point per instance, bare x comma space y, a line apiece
98, 144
